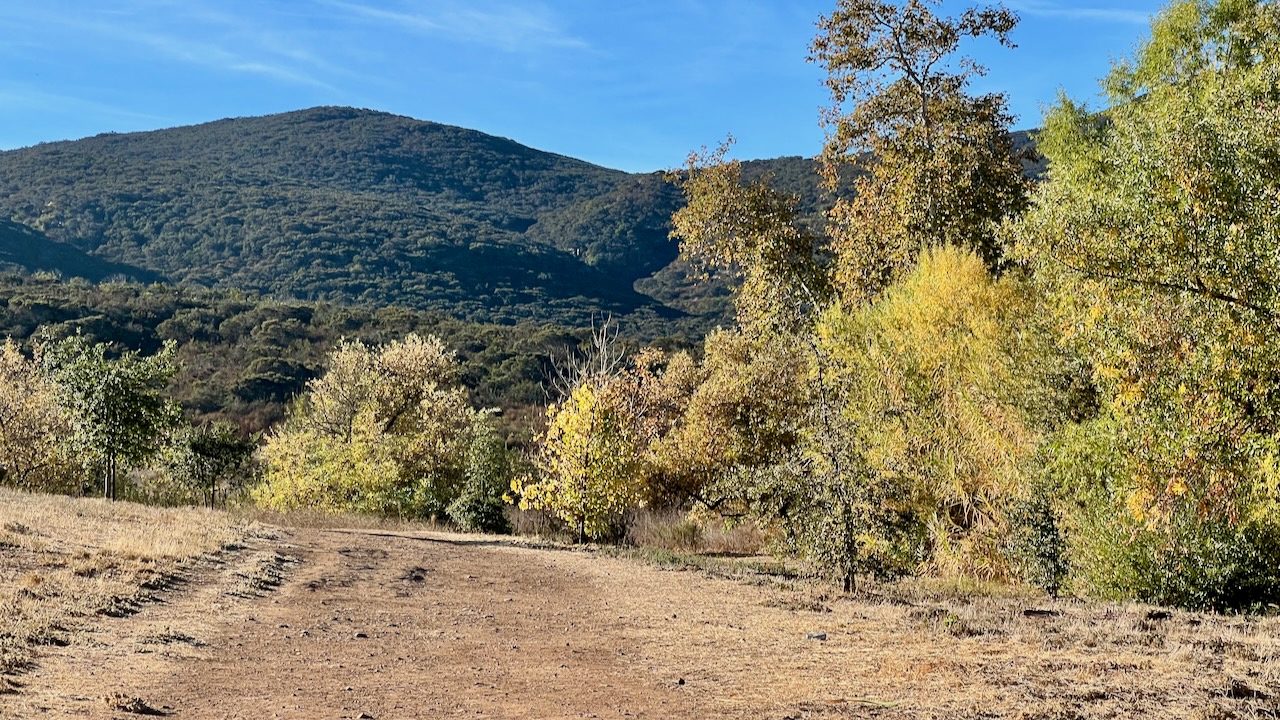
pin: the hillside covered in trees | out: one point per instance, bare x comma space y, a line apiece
363, 207
350, 206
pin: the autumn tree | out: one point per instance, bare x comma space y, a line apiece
786, 428
933, 164
33, 426
383, 430
941, 380
589, 460
750, 232
759, 436
1158, 233
743, 413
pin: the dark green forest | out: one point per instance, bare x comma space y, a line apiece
242, 357
344, 205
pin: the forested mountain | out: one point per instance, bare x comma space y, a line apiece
344, 205
357, 206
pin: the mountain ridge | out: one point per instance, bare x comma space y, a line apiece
362, 206
353, 205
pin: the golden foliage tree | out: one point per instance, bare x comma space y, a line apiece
589, 460
939, 376
384, 429
33, 427
750, 231
934, 165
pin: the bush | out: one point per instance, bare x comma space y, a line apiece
488, 473
475, 512
1186, 561
1180, 550
1038, 543
384, 430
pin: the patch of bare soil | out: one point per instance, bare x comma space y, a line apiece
381, 624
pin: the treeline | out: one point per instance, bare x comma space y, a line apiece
1074, 384
387, 430
242, 357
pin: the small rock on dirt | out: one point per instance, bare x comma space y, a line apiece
816, 636
132, 705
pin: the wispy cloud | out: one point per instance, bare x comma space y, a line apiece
511, 28
190, 33
1044, 8
27, 98
218, 55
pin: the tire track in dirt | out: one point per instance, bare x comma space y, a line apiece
375, 625
390, 625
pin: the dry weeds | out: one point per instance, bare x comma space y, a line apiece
787, 647
676, 531
64, 561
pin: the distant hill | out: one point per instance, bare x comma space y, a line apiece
357, 206
345, 205
30, 251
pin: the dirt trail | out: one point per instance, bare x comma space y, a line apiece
392, 625
375, 624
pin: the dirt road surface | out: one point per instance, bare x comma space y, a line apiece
371, 624
368, 624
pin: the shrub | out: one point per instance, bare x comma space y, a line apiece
489, 469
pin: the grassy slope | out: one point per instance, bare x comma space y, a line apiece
66, 561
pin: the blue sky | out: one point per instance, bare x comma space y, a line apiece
629, 84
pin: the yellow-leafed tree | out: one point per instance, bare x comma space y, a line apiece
590, 460
383, 430
33, 427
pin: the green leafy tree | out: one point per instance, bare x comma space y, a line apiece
1158, 234
934, 165
121, 415
202, 457
489, 469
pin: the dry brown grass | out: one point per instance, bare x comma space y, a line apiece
676, 531
64, 561
932, 650
309, 519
